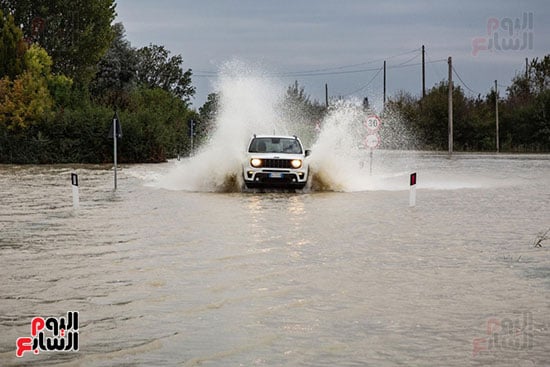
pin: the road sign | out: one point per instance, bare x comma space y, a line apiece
372, 141
373, 123
115, 125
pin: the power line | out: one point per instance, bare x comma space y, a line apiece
400, 65
337, 70
355, 65
462, 81
404, 63
437, 70
366, 85
305, 74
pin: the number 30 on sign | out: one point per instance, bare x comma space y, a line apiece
372, 123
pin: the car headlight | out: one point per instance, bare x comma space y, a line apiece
256, 162
296, 163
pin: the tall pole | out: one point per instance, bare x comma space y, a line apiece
384, 83
114, 146
192, 135
526, 68
326, 95
423, 72
450, 61
496, 115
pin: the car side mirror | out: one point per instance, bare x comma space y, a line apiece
308, 152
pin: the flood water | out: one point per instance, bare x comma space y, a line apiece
316, 278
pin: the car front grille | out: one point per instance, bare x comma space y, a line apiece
276, 163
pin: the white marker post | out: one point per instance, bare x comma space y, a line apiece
74, 183
412, 191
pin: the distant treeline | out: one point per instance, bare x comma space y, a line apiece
65, 69
524, 115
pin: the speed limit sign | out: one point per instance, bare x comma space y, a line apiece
372, 123
372, 141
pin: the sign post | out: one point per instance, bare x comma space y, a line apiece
412, 191
114, 133
372, 141
74, 184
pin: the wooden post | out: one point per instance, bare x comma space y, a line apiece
496, 116
115, 149
423, 72
384, 105
450, 103
326, 95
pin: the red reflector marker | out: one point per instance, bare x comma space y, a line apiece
413, 179
412, 190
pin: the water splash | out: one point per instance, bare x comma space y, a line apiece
252, 102
341, 160
248, 101
338, 155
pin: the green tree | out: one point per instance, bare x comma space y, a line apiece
300, 113
208, 112
75, 33
156, 69
298, 101
157, 125
12, 47
400, 119
116, 76
525, 121
406, 105
27, 98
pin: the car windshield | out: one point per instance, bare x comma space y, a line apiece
275, 145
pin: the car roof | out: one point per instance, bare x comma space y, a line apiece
275, 136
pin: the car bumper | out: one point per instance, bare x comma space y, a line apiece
275, 178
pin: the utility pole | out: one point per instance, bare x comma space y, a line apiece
450, 61
115, 149
496, 115
384, 83
423, 72
192, 134
326, 95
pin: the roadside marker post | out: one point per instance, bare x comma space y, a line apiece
115, 133
412, 190
74, 184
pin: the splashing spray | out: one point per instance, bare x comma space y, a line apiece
248, 101
251, 102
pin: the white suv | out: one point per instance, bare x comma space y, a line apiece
275, 161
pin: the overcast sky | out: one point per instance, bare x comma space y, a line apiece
343, 43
